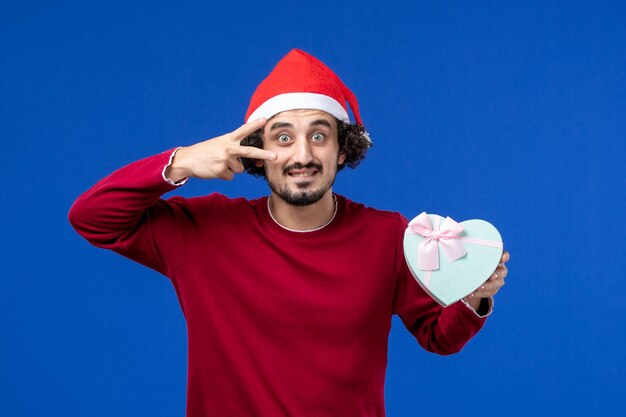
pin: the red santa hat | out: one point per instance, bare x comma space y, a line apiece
301, 81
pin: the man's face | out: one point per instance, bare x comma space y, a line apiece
308, 154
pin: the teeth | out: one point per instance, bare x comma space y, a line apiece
302, 174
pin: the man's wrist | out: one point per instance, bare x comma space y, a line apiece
482, 307
473, 302
172, 173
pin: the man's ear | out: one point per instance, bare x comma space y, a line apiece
341, 159
258, 163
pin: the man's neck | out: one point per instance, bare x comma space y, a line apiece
303, 218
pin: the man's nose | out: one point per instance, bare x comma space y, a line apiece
303, 153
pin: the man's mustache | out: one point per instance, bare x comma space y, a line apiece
298, 165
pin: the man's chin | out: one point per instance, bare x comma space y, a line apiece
301, 198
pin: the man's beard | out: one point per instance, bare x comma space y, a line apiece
302, 197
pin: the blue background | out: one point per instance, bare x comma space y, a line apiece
513, 112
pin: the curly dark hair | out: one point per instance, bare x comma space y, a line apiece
353, 142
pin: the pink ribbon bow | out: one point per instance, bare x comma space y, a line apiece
447, 237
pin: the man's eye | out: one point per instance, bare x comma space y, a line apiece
317, 137
283, 139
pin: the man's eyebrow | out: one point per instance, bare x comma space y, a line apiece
279, 125
322, 122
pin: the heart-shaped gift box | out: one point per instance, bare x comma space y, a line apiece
448, 259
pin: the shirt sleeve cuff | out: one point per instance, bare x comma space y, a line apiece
169, 181
485, 309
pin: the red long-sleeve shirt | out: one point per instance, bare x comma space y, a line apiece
280, 323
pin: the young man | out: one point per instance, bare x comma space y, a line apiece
288, 299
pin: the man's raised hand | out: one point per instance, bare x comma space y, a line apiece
217, 157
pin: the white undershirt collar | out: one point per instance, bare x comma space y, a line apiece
302, 231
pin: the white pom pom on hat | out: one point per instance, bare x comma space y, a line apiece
301, 81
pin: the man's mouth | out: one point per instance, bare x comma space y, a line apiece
303, 171
300, 174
